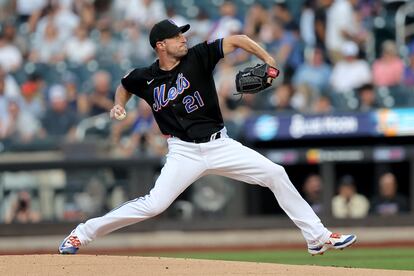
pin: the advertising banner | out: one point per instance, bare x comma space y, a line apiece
383, 122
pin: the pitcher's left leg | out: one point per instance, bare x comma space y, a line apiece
229, 158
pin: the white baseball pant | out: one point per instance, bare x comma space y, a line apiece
186, 162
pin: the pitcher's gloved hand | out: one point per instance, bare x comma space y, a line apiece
252, 80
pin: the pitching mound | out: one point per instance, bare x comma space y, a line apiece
124, 265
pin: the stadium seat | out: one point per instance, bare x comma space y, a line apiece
395, 96
344, 101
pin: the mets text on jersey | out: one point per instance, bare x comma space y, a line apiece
161, 99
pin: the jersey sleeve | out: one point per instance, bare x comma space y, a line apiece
132, 81
209, 53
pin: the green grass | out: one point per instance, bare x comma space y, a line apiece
380, 258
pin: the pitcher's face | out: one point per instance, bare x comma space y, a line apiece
176, 46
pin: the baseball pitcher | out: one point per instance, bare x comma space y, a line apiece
180, 89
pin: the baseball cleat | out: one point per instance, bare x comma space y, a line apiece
70, 245
336, 241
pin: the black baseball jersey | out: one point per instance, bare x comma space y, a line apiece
184, 100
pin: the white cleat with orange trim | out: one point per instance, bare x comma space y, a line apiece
336, 241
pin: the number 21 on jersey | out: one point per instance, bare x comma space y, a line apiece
192, 103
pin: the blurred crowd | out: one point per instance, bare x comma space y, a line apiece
387, 200
61, 61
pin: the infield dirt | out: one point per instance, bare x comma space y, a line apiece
132, 265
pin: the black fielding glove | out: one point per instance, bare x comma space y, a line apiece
252, 80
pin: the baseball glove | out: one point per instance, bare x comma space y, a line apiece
252, 80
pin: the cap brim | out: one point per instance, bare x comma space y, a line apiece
181, 29
184, 28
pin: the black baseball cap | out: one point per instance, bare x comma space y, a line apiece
165, 29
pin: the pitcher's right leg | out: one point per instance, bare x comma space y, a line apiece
230, 158
182, 168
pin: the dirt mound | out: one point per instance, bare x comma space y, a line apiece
132, 265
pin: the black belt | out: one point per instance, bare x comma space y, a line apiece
212, 137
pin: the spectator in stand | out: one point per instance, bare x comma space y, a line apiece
14, 37
351, 72
321, 14
32, 97
20, 126
25, 9
80, 49
48, 48
21, 210
101, 99
312, 192
322, 105
10, 88
227, 24
370, 9
280, 100
367, 98
314, 73
281, 13
107, 52
77, 102
117, 13
388, 201
143, 12
200, 27
389, 69
11, 58
307, 24
59, 121
66, 19
6, 8
178, 19
348, 203
60, 15
278, 41
408, 78
256, 17
303, 98
3, 99
133, 40
88, 11
291, 34
39, 19
342, 25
